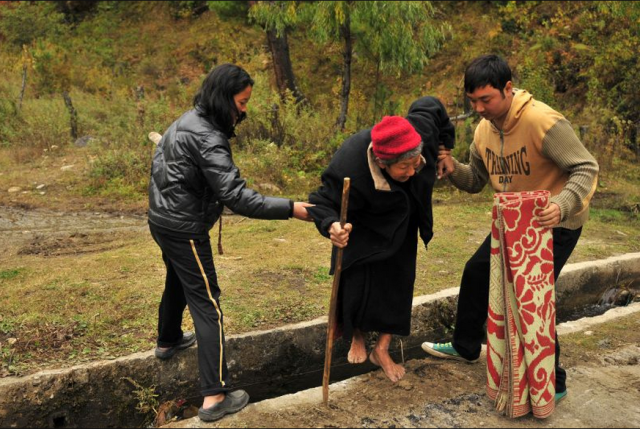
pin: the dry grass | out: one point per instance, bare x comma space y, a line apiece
82, 296
77, 293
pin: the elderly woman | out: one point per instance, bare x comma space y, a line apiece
392, 169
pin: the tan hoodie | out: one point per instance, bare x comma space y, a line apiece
537, 149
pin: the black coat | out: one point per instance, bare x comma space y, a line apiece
193, 177
378, 209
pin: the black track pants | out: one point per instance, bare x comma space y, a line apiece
191, 280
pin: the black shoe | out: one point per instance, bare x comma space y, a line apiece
188, 339
232, 403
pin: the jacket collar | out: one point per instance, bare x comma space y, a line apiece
379, 181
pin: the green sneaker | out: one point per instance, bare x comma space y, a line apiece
560, 396
444, 350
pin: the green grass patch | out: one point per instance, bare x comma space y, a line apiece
10, 273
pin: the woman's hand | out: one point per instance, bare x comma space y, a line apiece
339, 235
300, 211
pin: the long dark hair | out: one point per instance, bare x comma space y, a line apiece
215, 101
487, 70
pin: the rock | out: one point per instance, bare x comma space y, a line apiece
269, 187
624, 297
66, 167
403, 384
14, 189
155, 137
83, 141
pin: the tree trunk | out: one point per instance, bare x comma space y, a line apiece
24, 84
376, 101
347, 54
73, 121
140, 101
285, 79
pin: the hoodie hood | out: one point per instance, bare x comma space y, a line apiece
521, 99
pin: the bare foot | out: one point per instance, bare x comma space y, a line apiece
392, 370
358, 350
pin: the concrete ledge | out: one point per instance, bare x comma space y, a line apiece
106, 393
588, 322
584, 283
595, 401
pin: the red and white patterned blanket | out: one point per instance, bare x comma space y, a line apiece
522, 311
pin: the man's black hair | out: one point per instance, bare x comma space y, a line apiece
486, 70
215, 101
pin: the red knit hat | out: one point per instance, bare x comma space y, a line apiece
393, 136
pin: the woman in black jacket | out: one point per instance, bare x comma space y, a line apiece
192, 178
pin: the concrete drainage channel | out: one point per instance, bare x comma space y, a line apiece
267, 363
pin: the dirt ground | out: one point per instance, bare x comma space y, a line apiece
603, 367
48, 233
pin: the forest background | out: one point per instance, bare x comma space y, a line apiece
83, 83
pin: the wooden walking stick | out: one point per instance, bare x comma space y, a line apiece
334, 296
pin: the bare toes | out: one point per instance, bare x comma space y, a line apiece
357, 354
355, 357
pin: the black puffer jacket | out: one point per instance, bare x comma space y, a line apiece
193, 177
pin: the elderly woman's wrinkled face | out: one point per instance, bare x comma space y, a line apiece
403, 170
242, 99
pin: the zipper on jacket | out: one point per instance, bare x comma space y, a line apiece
502, 167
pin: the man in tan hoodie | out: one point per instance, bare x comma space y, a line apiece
520, 144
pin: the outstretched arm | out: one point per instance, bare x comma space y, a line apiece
470, 177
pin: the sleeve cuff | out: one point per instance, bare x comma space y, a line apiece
564, 206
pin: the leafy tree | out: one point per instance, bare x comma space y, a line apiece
275, 17
75, 11
615, 72
397, 36
229, 8
24, 22
586, 50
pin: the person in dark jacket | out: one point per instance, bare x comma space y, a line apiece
192, 178
392, 168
